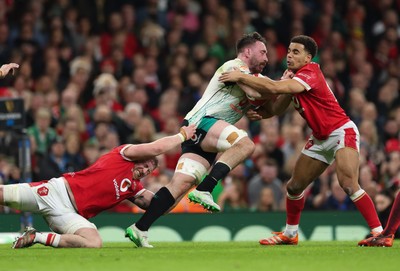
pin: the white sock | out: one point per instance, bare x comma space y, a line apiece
377, 229
48, 239
291, 230
357, 194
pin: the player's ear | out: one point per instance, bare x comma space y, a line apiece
308, 58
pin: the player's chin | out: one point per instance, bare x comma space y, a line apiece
290, 66
259, 69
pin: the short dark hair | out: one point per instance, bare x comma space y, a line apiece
249, 39
309, 44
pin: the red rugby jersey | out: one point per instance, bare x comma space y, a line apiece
318, 105
104, 184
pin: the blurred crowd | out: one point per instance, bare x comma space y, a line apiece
95, 74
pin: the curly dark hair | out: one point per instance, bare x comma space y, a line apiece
309, 43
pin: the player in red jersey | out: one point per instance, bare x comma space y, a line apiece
385, 238
334, 137
67, 202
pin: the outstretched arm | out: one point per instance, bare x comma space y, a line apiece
280, 104
5, 69
143, 201
274, 104
263, 85
270, 108
162, 145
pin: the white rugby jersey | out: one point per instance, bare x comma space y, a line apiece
227, 102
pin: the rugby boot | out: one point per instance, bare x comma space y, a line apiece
138, 237
378, 240
279, 239
26, 239
205, 199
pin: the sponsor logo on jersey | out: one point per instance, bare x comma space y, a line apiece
125, 184
123, 187
117, 195
196, 138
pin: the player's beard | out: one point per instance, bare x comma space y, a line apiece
256, 66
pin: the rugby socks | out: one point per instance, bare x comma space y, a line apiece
160, 203
48, 239
294, 206
366, 207
394, 218
218, 172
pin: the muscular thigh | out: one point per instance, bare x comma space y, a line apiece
211, 139
347, 166
20, 197
68, 223
221, 136
306, 170
189, 171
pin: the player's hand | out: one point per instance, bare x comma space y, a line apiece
288, 74
188, 131
232, 76
5, 69
253, 115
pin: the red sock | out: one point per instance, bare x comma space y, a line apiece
394, 217
366, 207
294, 206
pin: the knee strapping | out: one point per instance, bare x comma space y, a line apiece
191, 167
11, 195
229, 137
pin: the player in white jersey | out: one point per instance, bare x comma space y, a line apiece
221, 101
215, 114
335, 137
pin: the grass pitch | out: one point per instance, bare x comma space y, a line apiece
205, 256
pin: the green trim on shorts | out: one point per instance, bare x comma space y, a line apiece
206, 123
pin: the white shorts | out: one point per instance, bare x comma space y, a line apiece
49, 199
325, 150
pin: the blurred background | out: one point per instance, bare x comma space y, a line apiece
95, 74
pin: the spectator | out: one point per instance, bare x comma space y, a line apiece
118, 35
338, 199
384, 202
40, 132
266, 202
54, 162
232, 198
268, 177
105, 93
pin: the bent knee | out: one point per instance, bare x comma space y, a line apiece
247, 145
350, 190
177, 188
231, 136
294, 188
98, 243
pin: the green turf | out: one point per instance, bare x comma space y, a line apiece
190, 256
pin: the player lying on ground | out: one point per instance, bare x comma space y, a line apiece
67, 202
